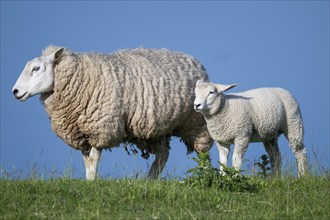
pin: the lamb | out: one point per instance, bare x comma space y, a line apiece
97, 101
258, 115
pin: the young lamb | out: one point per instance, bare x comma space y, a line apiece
98, 101
258, 115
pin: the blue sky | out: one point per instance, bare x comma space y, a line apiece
252, 43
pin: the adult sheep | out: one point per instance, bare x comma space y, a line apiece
98, 101
258, 115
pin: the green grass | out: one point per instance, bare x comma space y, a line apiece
286, 198
203, 194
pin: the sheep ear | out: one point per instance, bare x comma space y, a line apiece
223, 88
55, 56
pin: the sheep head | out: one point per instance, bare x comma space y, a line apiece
208, 96
37, 76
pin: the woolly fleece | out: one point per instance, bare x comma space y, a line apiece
138, 96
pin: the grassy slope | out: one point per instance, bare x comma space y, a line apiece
306, 198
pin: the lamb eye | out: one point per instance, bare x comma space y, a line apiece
211, 92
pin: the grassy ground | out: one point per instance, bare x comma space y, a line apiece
286, 198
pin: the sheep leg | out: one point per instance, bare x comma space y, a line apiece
91, 159
161, 156
294, 133
301, 157
295, 138
224, 150
239, 151
274, 154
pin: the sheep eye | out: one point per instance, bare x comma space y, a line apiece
35, 68
211, 93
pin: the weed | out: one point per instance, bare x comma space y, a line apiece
229, 179
264, 166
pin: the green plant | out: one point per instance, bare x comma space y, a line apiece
263, 165
228, 179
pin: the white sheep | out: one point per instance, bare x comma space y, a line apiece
98, 101
258, 115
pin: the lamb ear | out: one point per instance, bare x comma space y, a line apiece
199, 82
55, 56
223, 88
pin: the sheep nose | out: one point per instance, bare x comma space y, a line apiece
197, 106
15, 91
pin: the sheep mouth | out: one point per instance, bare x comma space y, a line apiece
198, 110
21, 97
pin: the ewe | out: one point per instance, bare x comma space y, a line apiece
258, 115
97, 101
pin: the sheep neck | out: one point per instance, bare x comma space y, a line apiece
221, 108
64, 104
